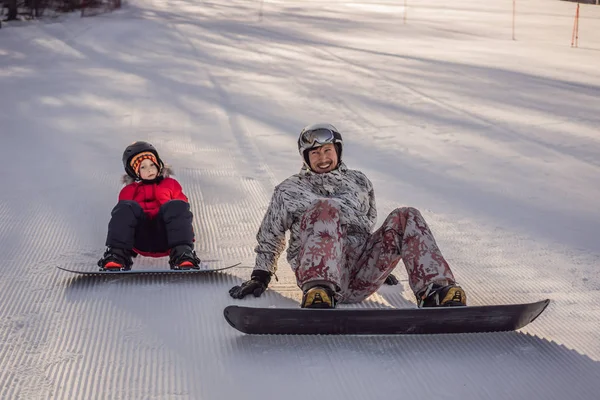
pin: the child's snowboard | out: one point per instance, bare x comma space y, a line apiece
204, 268
297, 321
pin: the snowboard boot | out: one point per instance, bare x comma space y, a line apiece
115, 259
435, 295
318, 297
183, 257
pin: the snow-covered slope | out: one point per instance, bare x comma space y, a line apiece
495, 140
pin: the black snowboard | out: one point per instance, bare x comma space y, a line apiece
149, 271
297, 321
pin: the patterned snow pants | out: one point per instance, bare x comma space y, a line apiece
359, 264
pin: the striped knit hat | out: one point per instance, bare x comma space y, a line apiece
136, 161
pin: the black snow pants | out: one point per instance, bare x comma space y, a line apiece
129, 227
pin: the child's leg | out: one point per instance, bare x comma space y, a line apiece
125, 217
404, 235
177, 219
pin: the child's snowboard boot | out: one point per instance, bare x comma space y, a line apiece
115, 259
183, 257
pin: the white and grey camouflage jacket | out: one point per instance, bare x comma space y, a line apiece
292, 197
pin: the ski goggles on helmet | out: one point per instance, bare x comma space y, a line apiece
319, 136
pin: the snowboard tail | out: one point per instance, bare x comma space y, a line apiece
469, 319
204, 268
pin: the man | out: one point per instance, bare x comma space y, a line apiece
330, 213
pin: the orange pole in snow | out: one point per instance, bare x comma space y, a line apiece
260, 11
575, 37
513, 19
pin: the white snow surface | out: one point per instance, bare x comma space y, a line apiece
495, 140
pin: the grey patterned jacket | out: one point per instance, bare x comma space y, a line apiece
292, 197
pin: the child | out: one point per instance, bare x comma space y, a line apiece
152, 217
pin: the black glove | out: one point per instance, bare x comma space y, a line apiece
391, 280
256, 285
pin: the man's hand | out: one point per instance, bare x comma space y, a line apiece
391, 280
256, 285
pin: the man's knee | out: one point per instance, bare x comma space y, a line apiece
327, 205
322, 209
406, 211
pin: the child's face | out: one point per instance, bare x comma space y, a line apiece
148, 170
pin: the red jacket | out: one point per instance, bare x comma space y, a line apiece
153, 195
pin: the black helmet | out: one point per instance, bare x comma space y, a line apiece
137, 148
317, 135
